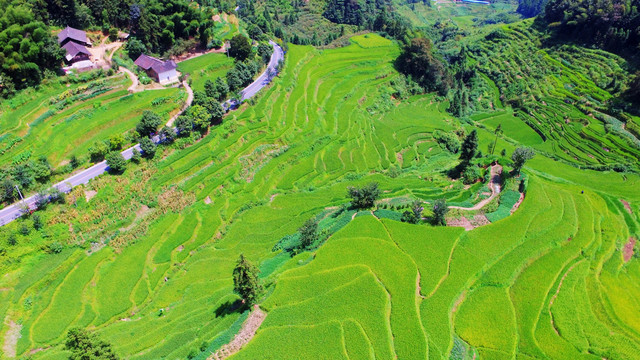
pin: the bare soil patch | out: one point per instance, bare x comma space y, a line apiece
459, 301
89, 194
627, 251
207, 200
627, 206
479, 220
243, 337
11, 339
461, 222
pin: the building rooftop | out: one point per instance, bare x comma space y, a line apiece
72, 34
74, 49
148, 62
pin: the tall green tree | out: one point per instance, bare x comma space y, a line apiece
419, 61
308, 234
148, 123
240, 47
520, 156
440, 210
117, 163
498, 131
245, 281
148, 148
469, 147
363, 197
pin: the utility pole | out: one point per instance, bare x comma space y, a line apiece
21, 197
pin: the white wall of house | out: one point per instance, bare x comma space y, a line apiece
168, 77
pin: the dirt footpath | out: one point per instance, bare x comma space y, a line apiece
245, 335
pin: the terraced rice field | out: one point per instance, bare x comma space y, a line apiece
543, 282
58, 121
563, 92
205, 67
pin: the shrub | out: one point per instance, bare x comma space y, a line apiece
55, 248
135, 156
37, 222
470, 174
448, 140
439, 210
364, 197
414, 215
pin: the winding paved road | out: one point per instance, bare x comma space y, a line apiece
12, 212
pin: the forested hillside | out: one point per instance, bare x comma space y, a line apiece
609, 24
27, 49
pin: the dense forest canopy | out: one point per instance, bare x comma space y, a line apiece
531, 8
157, 23
27, 48
610, 24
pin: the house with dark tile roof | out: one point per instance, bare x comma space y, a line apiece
163, 72
75, 52
75, 35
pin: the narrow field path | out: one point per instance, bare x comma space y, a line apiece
243, 337
186, 104
133, 77
494, 185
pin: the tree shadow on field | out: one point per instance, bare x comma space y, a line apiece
230, 307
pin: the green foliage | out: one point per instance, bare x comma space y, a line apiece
84, 345
363, 197
148, 123
470, 174
419, 61
439, 210
520, 156
135, 156
240, 47
245, 281
184, 125
27, 48
148, 148
448, 140
354, 13
607, 24
469, 148
116, 142
167, 135
38, 224
308, 234
531, 8
200, 116
414, 215
116, 162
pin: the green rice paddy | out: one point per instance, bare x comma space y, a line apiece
549, 281
205, 67
59, 121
